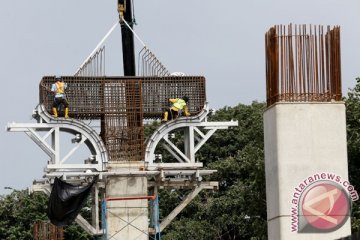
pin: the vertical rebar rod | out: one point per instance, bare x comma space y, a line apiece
302, 64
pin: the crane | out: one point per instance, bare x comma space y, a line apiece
126, 14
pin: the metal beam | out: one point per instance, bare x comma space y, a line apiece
87, 226
167, 220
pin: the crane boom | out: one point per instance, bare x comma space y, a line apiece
125, 13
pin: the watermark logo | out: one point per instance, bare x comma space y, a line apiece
321, 203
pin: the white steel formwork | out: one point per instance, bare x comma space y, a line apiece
197, 130
181, 172
83, 134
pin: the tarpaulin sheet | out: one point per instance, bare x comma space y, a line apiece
66, 201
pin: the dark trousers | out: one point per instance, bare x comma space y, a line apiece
58, 101
172, 114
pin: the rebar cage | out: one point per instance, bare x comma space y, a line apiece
303, 64
122, 104
43, 230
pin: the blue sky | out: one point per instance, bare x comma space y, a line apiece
221, 40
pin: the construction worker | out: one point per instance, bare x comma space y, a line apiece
58, 88
178, 107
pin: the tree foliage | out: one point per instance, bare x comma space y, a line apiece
20, 210
238, 209
352, 102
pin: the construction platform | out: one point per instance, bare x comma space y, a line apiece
122, 104
107, 116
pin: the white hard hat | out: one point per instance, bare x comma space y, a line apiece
178, 74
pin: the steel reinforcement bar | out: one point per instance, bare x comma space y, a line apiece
303, 64
122, 104
92, 97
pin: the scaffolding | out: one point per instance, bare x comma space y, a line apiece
119, 106
154, 221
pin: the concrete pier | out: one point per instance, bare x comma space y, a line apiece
306, 171
127, 219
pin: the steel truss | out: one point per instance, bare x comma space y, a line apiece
183, 173
196, 131
82, 133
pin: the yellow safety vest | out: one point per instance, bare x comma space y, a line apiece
59, 87
179, 104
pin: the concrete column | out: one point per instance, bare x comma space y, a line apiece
306, 171
127, 219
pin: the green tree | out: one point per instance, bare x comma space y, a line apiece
238, 209
20, 210
352, 102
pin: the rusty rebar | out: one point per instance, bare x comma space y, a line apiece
95, 66
302, 64
149, 65
123, 103
43, 230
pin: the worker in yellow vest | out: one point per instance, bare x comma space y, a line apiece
178, 107
58, 88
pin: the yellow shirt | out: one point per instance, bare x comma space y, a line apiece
179, 104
